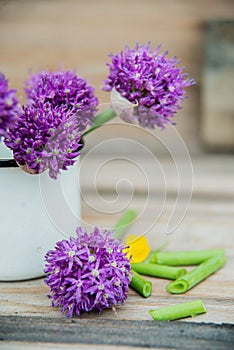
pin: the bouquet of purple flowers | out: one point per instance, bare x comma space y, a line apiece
147, 88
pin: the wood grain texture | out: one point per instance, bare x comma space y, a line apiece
25, 345
121, 333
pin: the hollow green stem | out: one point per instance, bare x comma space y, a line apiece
175, 312
124, 222
198, 274
141, 285
156, 270
184, 258
101, 119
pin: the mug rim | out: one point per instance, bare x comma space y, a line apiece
8, 163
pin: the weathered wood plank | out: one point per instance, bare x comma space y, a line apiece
212, 174
112, 332
11, 345
29, 299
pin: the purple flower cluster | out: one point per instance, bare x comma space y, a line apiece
47, 133
8, 106
63, 89
44, 138
87, 272
153, 83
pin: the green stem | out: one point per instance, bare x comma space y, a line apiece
101, 119
124, 222
162, 271
184, 258
141, 285
197, 275
170, 313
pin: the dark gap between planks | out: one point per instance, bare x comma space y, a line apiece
182, 335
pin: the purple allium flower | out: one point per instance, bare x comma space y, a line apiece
150, 81
8, 106
66, 89
87, 272
43, 138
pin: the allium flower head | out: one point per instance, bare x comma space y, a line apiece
63, 89
87, 272
48, 131
43, 138
151, 82
8, 106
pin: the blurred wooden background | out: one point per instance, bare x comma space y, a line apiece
80, 34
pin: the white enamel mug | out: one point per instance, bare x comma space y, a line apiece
35, 212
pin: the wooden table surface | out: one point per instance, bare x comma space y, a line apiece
27, 319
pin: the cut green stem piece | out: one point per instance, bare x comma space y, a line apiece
184, 258
175, 312
156, 270
141, 285
198, 274
124, 222
101, 119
